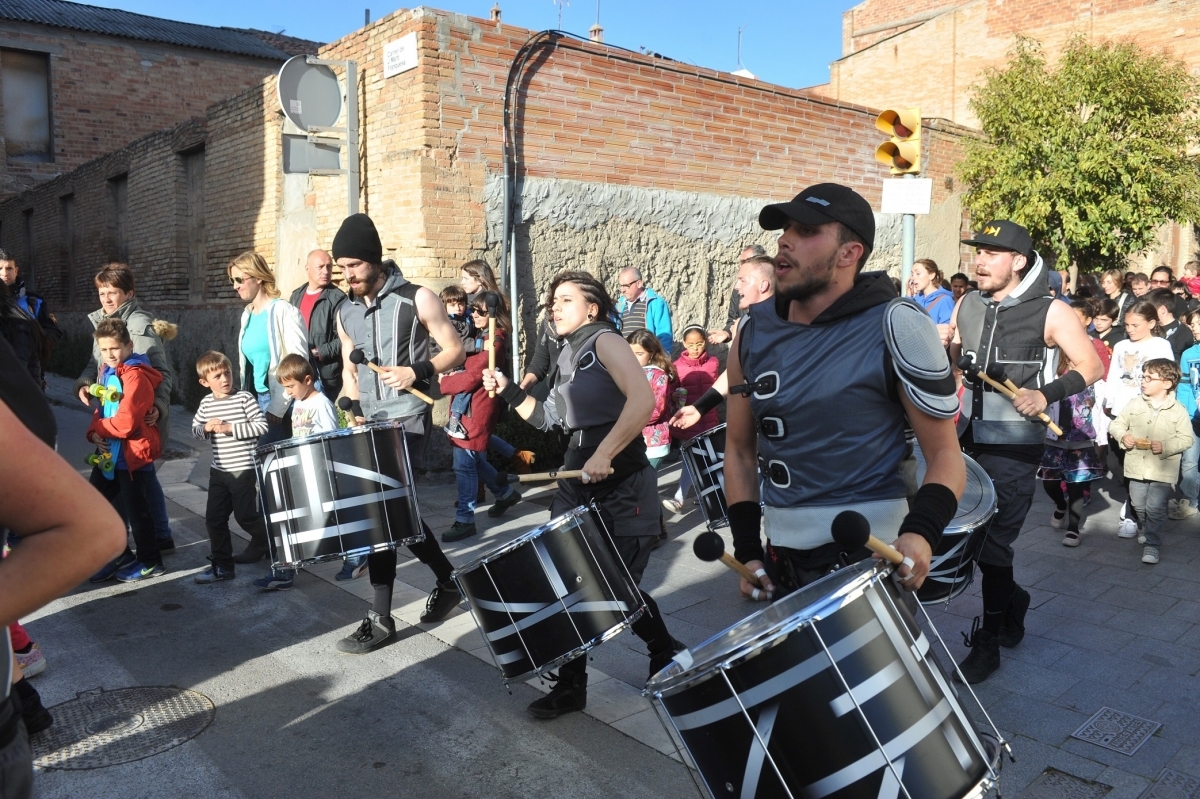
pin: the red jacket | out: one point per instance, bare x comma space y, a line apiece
697, 375
481, 419
140, 443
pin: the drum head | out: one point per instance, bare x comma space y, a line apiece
815, 601
978, 501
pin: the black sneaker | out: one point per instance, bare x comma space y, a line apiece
373, 633
568, 695
455, 429
458, 531
1012, 629
250, 555
213, 574
29, 703
501, 505
442, 599
984, 657
659, 660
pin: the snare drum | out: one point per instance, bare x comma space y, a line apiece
551, 594
953, 564
329, 495
704, 458
827, 692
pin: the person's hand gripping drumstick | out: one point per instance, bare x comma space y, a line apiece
492, 300
755, 584
851, 530
1023, 403
398, 377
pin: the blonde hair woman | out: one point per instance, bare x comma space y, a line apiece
271, 329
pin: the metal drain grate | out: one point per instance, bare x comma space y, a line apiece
1173, 785
103, 728
1058, 785
1120, 732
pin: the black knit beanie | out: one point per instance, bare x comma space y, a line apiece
358, 238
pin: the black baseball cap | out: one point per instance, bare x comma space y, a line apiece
820, 205
1003, 235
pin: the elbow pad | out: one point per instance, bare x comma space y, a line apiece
919, 359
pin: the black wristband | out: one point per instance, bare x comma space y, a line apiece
423, 370
513, 394
355, 408
708, 400
933, 509
744, 521
1068, 385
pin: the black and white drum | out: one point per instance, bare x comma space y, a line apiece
828, 692
704, 458
953, 563
551, 594
329, 495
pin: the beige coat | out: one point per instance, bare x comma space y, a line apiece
1169, 424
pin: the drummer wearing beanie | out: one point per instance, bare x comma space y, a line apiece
393, 322
822, 384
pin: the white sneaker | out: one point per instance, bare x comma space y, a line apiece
1127, 529
673, 506
1057, 519
1141, 539
1184, 509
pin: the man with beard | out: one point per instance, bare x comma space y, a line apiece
833, 368
1014, 321
392, 322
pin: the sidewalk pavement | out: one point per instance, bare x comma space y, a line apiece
1103, 630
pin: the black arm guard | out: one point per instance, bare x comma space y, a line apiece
744, 520
933, 508
708, 400
513, 394
1069, 384
423, 370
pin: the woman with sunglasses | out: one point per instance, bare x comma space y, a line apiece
271, 329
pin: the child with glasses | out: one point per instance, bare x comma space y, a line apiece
455, 300
697, 371
1154, 429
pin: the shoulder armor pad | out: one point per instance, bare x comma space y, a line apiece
919, 359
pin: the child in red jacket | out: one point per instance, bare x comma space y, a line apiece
697, 372
470, 452
139, 447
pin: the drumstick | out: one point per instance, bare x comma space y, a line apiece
996, 372
967, 365
359, 357
709, 547
852, 530
493, 302
541, 477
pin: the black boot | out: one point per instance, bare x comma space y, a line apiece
660, 659
568, 695
1012, 629
29, 702
984, 657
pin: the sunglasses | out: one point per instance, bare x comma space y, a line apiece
237, 281
627, 285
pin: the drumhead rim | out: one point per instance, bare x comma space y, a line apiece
296, 441
984, 507
861, 578
524, 538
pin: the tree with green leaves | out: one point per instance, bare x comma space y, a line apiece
1092, 155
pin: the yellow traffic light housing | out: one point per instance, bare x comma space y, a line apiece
902, 153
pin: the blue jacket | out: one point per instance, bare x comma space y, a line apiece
658, 318
939, 304
1186, 391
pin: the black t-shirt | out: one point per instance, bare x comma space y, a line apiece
24, 397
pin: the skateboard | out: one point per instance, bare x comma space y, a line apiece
109, 393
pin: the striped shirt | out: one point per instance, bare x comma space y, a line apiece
232, 452
634, 317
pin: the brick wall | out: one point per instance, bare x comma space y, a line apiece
106, 92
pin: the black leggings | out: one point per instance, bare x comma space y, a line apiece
1071, 502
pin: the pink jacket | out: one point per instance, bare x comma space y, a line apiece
697, 375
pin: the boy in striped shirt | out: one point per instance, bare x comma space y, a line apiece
233, 422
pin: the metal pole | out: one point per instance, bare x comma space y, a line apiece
512, 304
908, 245
352, 182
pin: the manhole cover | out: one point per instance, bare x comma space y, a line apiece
1120, 732
1173, 785
1057, 785
103, 728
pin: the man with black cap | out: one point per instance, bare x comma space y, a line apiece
1013, 321
832, 369
392, 321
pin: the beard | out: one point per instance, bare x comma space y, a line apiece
368, 283
807, 282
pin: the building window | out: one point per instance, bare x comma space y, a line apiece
68, 242
118, 200
26, 98
193, 165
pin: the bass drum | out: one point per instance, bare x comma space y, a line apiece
953, 565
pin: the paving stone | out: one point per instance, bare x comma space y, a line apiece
1137, 599
1101, 671
1053, 784
1045, 722
1180, 720
1186, 760
1186, 610
1178, 571
1034, 681
1162, 653
1172, 784
1149, 761
1150, 625
1180, 589
1124, 784
1080, 608
646, 727
1117, 575
1034, 757
1057, 564
1090, 636
1167, 683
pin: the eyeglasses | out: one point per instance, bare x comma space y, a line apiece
1160, 282
627, 285
237, 281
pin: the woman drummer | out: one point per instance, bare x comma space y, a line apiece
601, 396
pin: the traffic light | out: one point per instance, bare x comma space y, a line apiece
902, 153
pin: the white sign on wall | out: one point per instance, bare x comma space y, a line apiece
907, 196
400, 55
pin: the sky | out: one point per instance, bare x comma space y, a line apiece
789, 43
